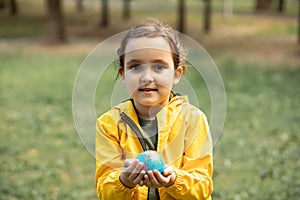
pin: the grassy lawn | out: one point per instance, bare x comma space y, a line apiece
258, 154
41, 154
256, 157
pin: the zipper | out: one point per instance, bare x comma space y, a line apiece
135, 128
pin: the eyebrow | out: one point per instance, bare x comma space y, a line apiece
133, 61
140, 61
160, 61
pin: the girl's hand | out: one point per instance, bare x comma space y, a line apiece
154, 179
133, 173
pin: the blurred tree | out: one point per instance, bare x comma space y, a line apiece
207, 15
2, 4
104, 6
79, 5
299, 22
126, 9
55, 22
181, 16
281, 6
227, 8
262, 5
13, 8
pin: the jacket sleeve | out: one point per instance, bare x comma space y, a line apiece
194, 176
109, 162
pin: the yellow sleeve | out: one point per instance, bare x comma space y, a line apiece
194, 177
109, 162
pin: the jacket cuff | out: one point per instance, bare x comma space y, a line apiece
120, 188
123, 186
177, 186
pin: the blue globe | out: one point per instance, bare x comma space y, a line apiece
152, 160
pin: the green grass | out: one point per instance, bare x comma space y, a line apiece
41, 154
256, 157
42, 157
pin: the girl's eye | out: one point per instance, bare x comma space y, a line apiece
159, 67
135, 67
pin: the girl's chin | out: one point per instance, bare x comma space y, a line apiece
149, 103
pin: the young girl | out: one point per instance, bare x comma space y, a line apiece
152, 60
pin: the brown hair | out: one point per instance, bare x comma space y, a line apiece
154, 28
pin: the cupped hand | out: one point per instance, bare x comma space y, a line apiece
133, 173
155, 179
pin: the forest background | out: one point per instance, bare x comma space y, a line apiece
255, 45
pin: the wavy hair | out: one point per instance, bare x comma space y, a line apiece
154, 28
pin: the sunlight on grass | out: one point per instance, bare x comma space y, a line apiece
39, 144
40, 149
257, 155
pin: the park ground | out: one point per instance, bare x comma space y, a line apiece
258, 56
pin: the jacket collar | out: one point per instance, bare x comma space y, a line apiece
172, 108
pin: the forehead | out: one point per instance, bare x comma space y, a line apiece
158, 43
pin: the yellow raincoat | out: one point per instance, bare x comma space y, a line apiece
184, 141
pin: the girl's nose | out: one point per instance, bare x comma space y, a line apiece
147, 76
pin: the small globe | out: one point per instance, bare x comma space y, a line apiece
152, 161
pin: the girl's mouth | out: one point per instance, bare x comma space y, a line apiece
147, 89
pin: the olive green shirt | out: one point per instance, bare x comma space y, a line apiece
150, 129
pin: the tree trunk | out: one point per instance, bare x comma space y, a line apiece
207, 16
181, 16
79, 5
55, 22
263, 5
281, 6
126, 9
2, 4
13, 7
104, 20
299, 22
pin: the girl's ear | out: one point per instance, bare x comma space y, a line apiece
121, 72
178, 74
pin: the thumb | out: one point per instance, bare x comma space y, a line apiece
128, 162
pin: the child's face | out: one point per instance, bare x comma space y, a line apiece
149, 72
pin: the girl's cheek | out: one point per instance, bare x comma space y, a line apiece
132, 87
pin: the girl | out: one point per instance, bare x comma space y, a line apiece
151, 61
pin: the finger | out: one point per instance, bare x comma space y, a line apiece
140, 178
167, 171
136, 171
147, 180
128, 170
163, 180
128, 162
153, 180
142, 182
130, 165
